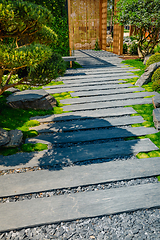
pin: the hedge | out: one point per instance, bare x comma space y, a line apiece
60, 24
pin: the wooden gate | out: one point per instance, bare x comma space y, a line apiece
87, 23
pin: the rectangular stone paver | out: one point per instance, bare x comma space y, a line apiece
108, 104
107, 74
99, 113
87, 124
87, 88
45, 180
92, 79
77, 153
104, 98
105, 92
84, 84
75, 206
92, 135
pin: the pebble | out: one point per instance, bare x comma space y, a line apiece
141, 224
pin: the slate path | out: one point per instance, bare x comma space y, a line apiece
88, 145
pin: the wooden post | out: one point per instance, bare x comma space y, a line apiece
118, 36
103, 23
69, 25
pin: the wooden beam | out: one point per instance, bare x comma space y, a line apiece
69, 25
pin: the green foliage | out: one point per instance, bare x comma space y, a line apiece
30, 147
25, 49
156, 86
157, 48
153, 59
97, 48
125, 48
137, 63
156, 75
133, 49
145, 15
59, 24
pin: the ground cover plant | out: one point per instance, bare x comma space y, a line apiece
11, 119
24, 47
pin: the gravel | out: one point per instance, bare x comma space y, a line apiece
75, 190
138, 225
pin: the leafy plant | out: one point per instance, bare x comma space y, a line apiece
24, 47
133, 49
156, 86
153, 59
156, 75
125, 48
97, 48
145, 15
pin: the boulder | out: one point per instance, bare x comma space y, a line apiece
4, 137
32, 99
156, 118
146, 76
156, 100
15, 138
146, 58
12, 90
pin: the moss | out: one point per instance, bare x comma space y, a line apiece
30, 147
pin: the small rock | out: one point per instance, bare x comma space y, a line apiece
15, 138
4, 137
146, 76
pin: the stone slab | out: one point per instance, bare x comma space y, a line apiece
92, 135
69, 58
99, 113
38, 181
92, 79
75, 154
106, 98
156, 118
87, 88
87, 124
105, 92
66, 85
108, 104
75, 206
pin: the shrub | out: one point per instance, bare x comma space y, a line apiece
153, 59
133, 49
97, 48
125, 48
156, 75
156, 85
157, 48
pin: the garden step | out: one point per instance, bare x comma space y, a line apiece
87, 124
91, 135
38, 181
104, 98
108, 104
105, 92
75, 154
93, 79
100, 113
66, 85
69, 207
87, 88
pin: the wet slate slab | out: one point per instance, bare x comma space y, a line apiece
108, 104
99, 113
87, 124
75, 154
105, 92
92, 135
104, 98
15, 184
74, 206
87, 88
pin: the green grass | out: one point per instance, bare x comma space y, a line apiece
11, 118
137, 63
29, 147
